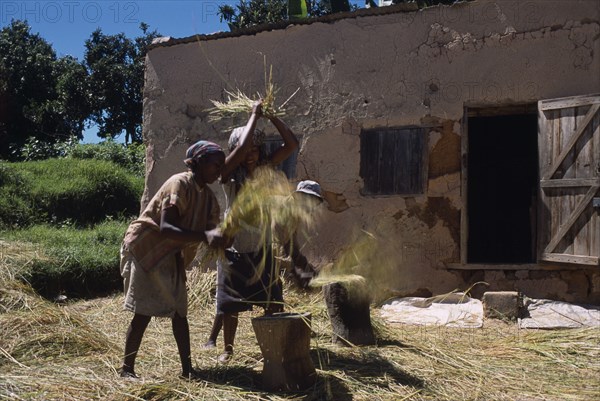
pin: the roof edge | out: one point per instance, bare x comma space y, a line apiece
330, 18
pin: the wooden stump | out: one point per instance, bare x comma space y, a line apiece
284, 340
349, 313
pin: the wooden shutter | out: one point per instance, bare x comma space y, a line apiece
393, 160
569, 150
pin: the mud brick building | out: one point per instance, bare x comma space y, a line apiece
468, 135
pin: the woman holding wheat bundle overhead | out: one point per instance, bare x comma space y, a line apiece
245, 275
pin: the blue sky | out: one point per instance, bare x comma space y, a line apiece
66, 24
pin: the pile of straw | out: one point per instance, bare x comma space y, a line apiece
15, 294
73, 351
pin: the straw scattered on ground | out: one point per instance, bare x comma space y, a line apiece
72, 351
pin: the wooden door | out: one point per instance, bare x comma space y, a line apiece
569, 155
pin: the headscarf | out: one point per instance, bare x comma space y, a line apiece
200, 149
234, 138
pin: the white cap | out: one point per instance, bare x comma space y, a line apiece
310, 187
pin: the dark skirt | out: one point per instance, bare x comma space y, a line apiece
236, 291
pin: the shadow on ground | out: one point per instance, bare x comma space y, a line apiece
367, 367
326, 388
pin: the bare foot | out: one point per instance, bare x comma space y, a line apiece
192, 375
127, 374
224, 357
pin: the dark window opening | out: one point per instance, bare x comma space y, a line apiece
502, 174
392, 161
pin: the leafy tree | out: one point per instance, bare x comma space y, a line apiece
420, 3
37, 97
116, 67
74, 92
254, 12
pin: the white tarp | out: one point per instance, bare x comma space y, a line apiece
547, 314
453, 310
458, 310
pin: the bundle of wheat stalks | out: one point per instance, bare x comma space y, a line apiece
263, 201
266, 206
239, 103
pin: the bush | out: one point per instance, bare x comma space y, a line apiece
75, 262
60, 191
131, 157
36, 149
15, 207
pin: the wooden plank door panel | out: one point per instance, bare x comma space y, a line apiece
569, 158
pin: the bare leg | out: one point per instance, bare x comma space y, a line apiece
230, 322
214, 333
133, 340
181, 331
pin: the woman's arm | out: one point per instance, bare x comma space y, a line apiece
290, 142
246, 141
171, 230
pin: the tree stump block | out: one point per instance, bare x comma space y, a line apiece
348, 308
284, 340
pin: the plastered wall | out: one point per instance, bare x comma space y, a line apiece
394, 69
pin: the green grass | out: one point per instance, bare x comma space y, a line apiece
72, 191
73, 213
77, 262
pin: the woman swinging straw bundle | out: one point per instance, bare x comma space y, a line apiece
266, 204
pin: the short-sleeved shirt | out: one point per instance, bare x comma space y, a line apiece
198, 211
